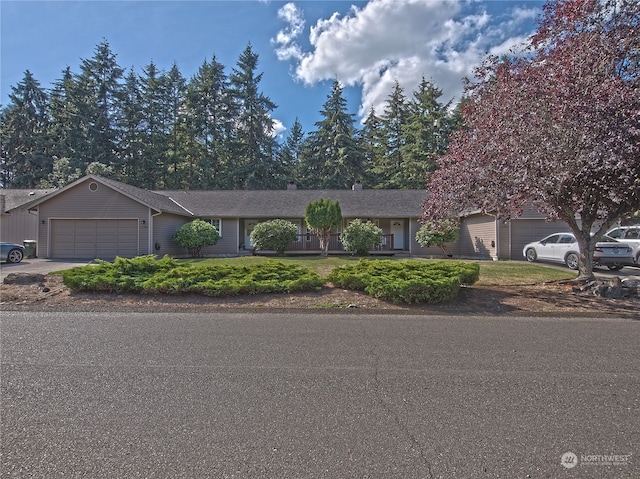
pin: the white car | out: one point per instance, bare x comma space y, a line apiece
563, 248
629, 235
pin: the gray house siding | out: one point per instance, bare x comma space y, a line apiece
18, 224
165, 226
478, 237
17, 227
504, 239
82, 203
229, 242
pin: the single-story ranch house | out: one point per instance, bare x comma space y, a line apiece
95, 217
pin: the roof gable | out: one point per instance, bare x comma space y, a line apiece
147, 198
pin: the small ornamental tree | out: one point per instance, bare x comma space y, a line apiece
438, 234
274, 234
196, 235
359, 237
556, 127
322, 217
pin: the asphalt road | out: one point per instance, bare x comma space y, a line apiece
97, 395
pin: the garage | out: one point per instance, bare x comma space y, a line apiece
527, 231
96, 238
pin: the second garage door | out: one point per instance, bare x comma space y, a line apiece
89, 239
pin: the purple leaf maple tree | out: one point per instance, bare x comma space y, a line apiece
555, 126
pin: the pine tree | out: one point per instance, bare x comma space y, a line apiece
210, 111
426, 132
373, 144
175, 121
333, 158
23, 127
132, 144
98, 98
291, 152
66, 132
254, 145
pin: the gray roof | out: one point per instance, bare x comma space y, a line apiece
293, 203
12, 198
361, 203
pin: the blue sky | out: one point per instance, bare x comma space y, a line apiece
302, 45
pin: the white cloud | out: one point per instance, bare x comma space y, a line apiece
285, 41
403, 40
278, 128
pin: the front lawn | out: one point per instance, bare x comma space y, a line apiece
492, 273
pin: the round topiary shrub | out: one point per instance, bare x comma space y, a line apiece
274, 235
359, 237
196, 235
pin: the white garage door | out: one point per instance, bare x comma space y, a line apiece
89, 239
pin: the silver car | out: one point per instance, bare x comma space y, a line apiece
11, 252
629, 235
563, 248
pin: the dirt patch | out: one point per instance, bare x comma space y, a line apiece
50, 294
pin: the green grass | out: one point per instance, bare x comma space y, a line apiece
492, 273
516, 273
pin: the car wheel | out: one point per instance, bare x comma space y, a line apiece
15, 256
531, 255
614, 267
571, 261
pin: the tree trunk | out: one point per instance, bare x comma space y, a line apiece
585, 258
324, 238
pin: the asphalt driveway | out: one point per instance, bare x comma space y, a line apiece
38, 265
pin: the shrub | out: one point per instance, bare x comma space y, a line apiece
167, 276
359, 237
196, 235
406, 281
122, 275
438, 234
274, 234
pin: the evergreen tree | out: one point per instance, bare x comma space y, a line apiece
23, 136
98, 97
291, 152
392, 169
66, 132
334, 157
254, 146
373, 144
175, 121
132, 146
427, 133
210, 111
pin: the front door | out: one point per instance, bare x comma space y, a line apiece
397, 230
248, 228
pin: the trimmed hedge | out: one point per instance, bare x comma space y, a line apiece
167, 276
406, 281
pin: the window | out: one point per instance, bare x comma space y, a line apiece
616, 233
217, 222
633, 234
